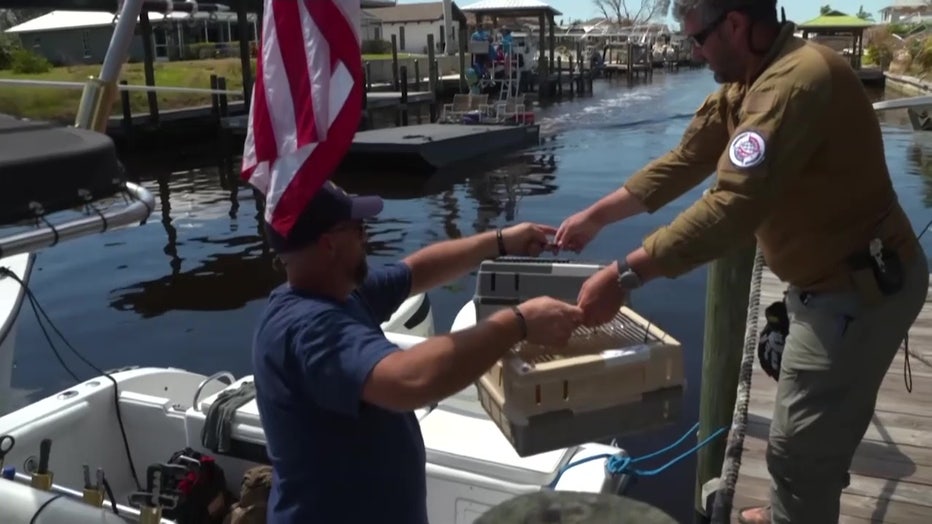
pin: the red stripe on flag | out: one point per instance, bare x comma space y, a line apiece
291, 45
337, 29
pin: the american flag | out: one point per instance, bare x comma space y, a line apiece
306, 102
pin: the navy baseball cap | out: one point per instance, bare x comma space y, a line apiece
329, 207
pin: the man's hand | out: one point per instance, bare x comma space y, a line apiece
550, 322
577, 231
527, 239
601, 297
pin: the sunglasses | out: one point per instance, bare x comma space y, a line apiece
699, 38
357, 226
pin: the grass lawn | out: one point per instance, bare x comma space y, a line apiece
61, 104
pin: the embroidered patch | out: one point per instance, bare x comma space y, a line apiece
747, 149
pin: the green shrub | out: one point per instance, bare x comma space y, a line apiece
25, 62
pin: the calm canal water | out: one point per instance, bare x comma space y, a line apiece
185, 289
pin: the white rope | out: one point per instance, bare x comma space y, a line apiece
721, 508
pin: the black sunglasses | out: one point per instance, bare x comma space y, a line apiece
357, 226
700, 37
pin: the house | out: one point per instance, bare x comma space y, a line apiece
411, 23
82, 37
906, 11
370, 27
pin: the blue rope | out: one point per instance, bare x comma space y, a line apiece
623, 465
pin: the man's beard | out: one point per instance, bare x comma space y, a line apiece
361, 271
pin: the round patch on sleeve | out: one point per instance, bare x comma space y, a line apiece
747, 149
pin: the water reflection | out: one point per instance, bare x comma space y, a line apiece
919, 154
225, 270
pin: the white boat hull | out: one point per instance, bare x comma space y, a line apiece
471, 466
12, 298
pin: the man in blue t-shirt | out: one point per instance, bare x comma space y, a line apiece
336, 398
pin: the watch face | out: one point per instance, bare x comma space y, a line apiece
629, 280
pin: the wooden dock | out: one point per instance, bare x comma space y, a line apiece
891, 474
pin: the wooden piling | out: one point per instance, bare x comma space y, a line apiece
366, 117
214, 98
432, 76
145, 28
726, 310
572, 77
222, 97
403, 106
245, 58
464, 88
127, 114
394, 63
560, 76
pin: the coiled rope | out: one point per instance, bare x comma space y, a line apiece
724, 496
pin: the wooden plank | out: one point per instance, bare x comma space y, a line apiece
920, 336
854, 508
891, 474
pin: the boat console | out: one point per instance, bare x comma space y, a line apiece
46, 168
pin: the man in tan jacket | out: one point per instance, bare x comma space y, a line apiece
800, 164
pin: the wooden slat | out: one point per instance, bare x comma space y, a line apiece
891, 474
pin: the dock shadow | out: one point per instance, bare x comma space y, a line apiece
880, 460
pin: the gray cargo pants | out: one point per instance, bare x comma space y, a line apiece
834, 360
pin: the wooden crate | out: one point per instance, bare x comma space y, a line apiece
564, 428
551, 401
649, 360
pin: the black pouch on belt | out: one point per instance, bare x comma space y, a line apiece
881, 270
772, 339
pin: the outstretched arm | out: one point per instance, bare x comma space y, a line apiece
690, 162
442, 262
659, 182
770, 148
777, 137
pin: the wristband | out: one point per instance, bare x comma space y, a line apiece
522, 322
501, 243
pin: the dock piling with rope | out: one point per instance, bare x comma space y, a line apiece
726, 307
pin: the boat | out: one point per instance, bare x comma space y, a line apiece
128, 423
12, 296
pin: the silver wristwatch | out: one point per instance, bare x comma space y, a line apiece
627, 278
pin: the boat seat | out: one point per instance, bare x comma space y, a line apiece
247, 439
46, 168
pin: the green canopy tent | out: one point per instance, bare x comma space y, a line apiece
836, 23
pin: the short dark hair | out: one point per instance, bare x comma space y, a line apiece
764, 11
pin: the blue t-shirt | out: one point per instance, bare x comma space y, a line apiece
336, 459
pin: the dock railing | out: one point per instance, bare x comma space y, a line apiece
64, 84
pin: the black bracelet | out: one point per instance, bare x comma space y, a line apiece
501, 242
522, 322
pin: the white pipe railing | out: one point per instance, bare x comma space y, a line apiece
914, 102
137, 212
64, 84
